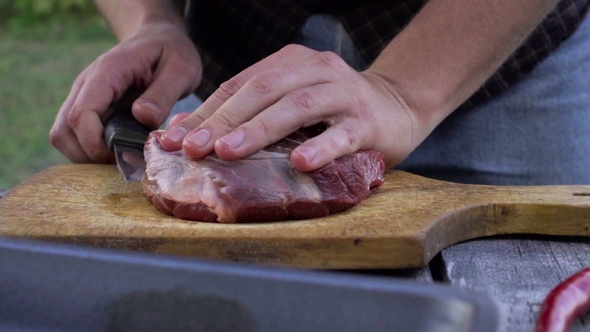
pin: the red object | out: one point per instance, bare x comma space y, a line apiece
261, 187
566, 302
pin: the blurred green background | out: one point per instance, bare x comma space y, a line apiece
44, 45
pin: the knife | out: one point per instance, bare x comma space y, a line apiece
126, 137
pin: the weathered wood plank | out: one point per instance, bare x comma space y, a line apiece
518, 272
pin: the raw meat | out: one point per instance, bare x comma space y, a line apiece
262, 187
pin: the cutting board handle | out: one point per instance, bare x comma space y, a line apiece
493, 210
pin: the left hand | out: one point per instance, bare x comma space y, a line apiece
294, 88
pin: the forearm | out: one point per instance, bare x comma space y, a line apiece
451, 47
125, 17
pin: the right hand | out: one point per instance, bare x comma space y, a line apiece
159, 58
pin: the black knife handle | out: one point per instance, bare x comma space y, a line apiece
123, 129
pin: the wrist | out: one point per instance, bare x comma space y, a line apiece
153, 28
418, 123
430, 90
424, 108
144, 14
167, 17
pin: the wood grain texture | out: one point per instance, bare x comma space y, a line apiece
519, 273
404, 224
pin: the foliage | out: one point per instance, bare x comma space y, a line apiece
35, 78
52, 18
44, 45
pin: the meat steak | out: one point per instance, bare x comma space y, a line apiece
261, 187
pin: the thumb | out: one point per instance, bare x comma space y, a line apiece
154, 105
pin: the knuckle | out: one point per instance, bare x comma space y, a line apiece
302, 100
222, 118
158, 97
330, 60
196, 117
228, 88
191, 121
262, 84
73, 117
293, 48
104, 63
266, 129
335, 145
352, 137
116, 52
346, 142
55, 136
114, 78
119, 72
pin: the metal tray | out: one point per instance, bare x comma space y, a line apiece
54, 287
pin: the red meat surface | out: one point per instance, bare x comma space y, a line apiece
259, 188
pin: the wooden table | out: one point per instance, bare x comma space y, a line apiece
517, 271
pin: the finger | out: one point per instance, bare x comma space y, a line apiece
259, 93
339, 140
287, 55
171, 81
64, 140
60, 135
172, 139
177, 118
264, 87
300, 108
84, 116
89, 132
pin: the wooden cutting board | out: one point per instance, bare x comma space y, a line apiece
404, 224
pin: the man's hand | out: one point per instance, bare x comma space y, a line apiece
440, 59
159, 58
293, 88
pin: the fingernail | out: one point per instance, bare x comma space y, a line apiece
200, 138
176, 134
234, 139
154, 109
309, 152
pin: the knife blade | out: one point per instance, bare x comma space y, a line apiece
126, 136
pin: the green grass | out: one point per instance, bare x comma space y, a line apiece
36, 74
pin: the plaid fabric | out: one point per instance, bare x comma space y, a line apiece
233, 34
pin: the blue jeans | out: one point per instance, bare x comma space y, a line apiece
537, 132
